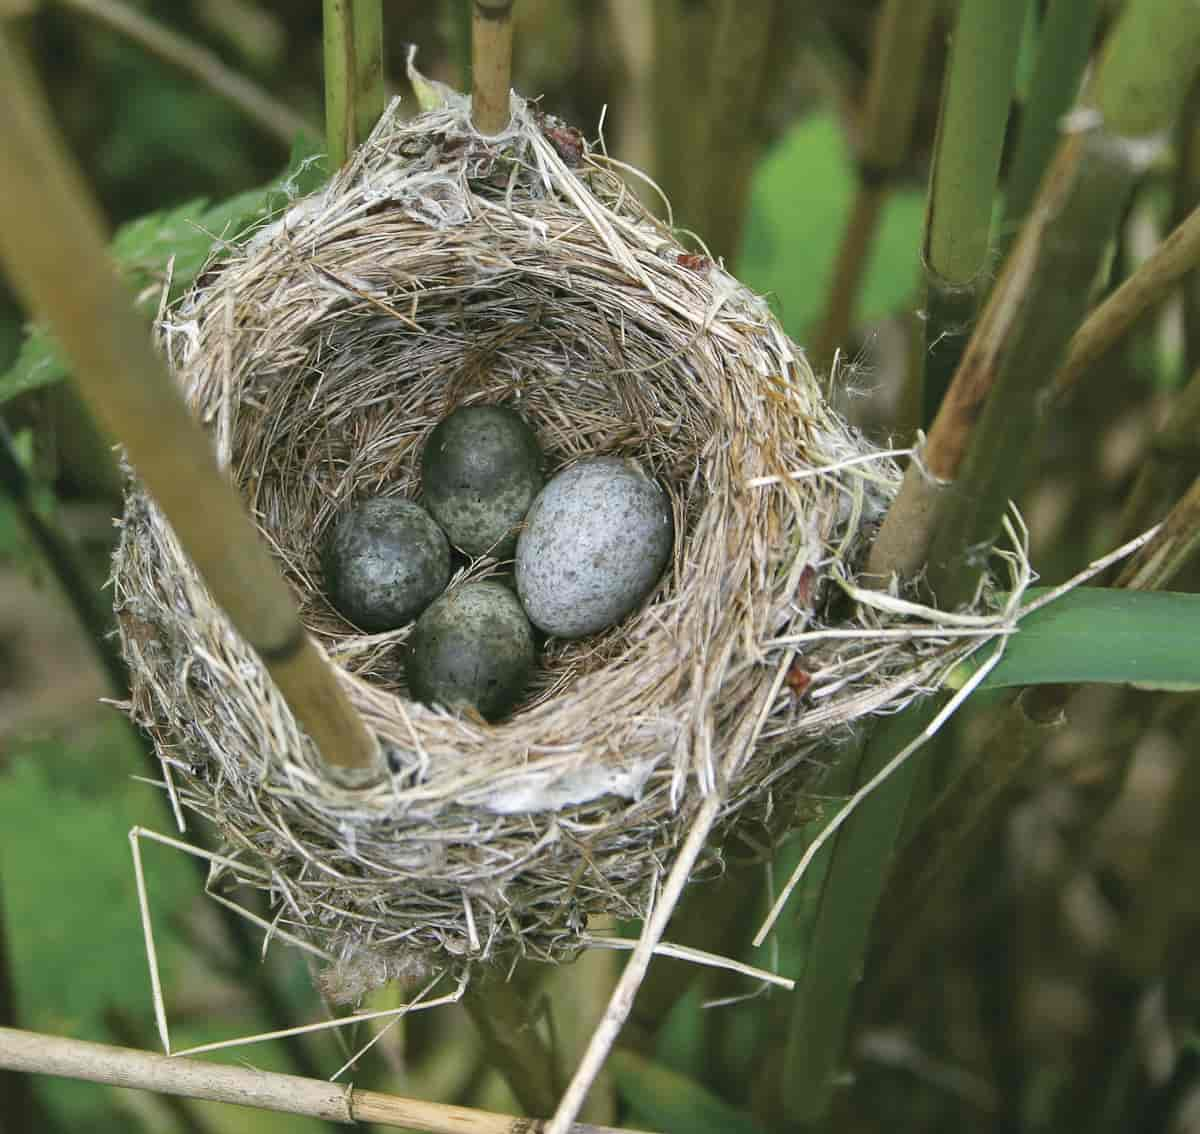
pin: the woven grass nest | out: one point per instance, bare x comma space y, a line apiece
440, 269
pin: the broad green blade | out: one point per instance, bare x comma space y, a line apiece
672, 1103
1101, 635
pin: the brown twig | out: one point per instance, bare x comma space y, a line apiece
491, 64
1177, 255
269, 113
1156, 564
39, 1054
63, 271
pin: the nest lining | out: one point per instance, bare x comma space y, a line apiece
441, 269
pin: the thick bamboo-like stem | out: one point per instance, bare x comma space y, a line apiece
1177, 255
893, 90
737, 71
352, 31
491, 65
52, 243
981, 436
980, 78
511, 1043
1064, 42
38, 1054
269, 113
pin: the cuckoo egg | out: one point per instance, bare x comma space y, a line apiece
593, 546
472, 649
480, 470
385, 561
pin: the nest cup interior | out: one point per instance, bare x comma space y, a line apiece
438, 270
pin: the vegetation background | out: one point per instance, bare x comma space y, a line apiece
1012, 990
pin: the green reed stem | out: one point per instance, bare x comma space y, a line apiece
1064, 42
958, 222
355, 91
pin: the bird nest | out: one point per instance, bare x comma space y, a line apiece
441, 269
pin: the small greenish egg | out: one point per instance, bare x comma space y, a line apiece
472, 649
385, 561
480, 470
594, 544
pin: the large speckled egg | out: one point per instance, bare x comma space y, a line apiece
472, 649
594, 544
480, 470
385, 561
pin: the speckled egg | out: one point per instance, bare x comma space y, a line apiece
594, 544
472, 649
385, 561
480, 470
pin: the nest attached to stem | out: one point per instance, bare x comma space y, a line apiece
439, 269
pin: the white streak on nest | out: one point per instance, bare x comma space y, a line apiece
552, 789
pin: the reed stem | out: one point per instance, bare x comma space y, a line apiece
978, 92
981, 437
63, 271
38, 1054
491, 65
1177, 255
511, 1043
889, 108
1064, 41
355, 91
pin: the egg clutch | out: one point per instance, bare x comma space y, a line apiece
590, 544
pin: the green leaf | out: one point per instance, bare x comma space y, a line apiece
672, 1103
1102, 635
799, 201
143, 247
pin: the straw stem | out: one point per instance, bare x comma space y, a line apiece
890, 106
958, 222
61, 267
491, 65
1177, 255
355, 93
39, 1054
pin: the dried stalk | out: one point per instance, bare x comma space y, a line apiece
897, 71
978, 90
1177, 255
1176, 542
198, 1079
63, 270
491, 65
269, 113
1169, 461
